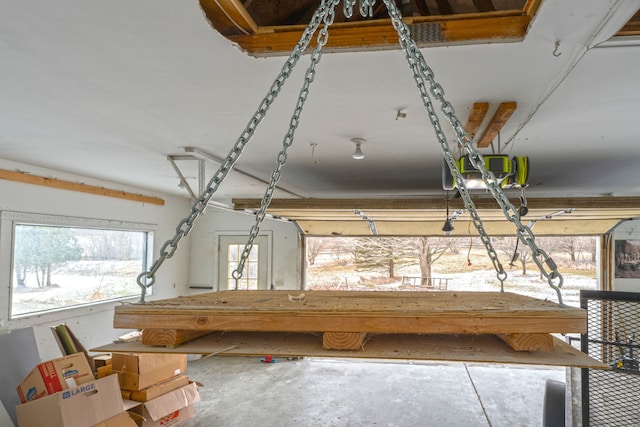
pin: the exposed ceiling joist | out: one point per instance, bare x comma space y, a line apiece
505, 110
476, 116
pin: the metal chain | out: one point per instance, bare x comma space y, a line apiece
422, 72
366, 8
347, 7
146, 279
323, 36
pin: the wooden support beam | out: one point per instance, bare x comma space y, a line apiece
528, 342
75, 186
505, 110
607, 203
476, 116
233, 11
380, 34
170, 338
462, 348
343, 340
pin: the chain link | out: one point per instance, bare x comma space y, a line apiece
287, 141
422, 74
147, 279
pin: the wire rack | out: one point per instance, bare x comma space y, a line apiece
611, 397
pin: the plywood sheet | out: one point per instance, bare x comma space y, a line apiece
463, 348
344, 311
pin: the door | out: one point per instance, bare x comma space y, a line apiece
256, 271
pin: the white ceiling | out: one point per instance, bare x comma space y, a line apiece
109, 89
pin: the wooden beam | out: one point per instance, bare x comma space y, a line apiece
476, 116
608, 203
231, 10
75, 186
528, 342
505, 110
169, 337
343, 340
380, 34
461, 228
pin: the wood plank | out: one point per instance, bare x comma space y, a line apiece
380, 34
528, 342
499, 119
462, 348
229, 17
76, 186
239, 15
476, 116
578, 227
169, 337
343, 311
608, 203
343, 340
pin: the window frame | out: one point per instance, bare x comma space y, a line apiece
8, 222
265, 256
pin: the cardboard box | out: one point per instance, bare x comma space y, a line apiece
159, 389
86, 405
55, 375
121, 420
102, 360
138, 371
170, 409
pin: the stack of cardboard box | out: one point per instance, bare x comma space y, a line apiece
63, 392
154, 387
131, 390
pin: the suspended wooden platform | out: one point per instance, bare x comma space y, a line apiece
474, 326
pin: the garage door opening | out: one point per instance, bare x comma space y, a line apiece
446, 263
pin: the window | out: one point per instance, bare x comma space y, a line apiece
256, 268
249, 279
57, 266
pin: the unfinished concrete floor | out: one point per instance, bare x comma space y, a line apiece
243, 391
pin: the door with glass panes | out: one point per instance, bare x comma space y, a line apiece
255, 271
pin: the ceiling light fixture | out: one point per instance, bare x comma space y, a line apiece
358, 154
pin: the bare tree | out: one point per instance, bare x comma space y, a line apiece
430, 249
315, 245
383, 254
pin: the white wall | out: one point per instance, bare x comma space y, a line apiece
194, 263
92, 324
285, 268
628, 230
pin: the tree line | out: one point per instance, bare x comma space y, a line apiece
387, 255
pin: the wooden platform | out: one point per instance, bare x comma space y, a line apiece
371, 312
361, 324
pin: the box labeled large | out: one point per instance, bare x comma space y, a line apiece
170, 409
55, 375
86, 405
138, 371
